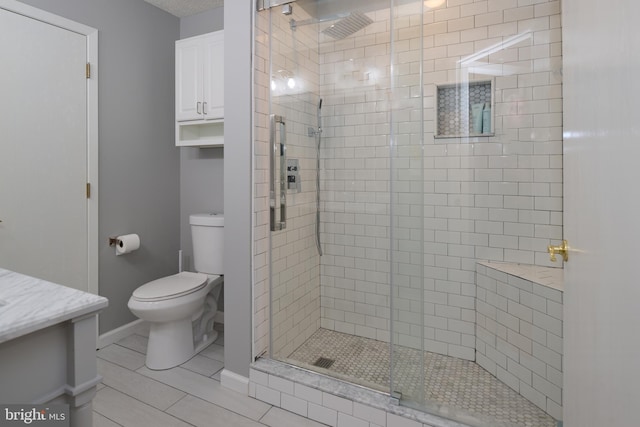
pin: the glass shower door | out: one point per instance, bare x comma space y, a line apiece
294, 264
362, 299
406, 202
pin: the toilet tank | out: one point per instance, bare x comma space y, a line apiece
207, 234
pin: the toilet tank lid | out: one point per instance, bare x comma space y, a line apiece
207, 219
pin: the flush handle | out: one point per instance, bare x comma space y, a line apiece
563, 250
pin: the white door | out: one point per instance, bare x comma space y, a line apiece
43, 151
602, 213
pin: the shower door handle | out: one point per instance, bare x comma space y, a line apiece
278, 149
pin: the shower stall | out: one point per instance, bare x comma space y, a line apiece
397, 144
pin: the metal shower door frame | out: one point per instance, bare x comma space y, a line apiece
267, 4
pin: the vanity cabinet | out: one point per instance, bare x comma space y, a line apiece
48, 346
200, 90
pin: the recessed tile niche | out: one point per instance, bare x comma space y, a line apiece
464, 109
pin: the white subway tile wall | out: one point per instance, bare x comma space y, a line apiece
454, 201
519, 333
493, 198
358, 201
260, 224
291, 84
329, 409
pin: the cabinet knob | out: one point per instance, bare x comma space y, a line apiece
198, 107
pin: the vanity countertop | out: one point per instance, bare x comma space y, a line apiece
28, 304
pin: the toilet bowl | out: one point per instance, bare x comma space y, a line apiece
181, 308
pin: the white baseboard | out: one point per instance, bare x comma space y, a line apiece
123, 331
234, 382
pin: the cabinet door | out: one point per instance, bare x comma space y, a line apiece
214, 75
189, 81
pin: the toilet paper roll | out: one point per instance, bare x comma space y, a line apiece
127, 243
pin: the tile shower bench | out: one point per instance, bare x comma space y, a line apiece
48, 345
519, 329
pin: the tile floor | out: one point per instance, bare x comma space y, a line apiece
132, 395
450, 381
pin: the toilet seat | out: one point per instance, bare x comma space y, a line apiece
170, 287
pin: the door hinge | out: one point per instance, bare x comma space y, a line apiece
88, 70
88, 190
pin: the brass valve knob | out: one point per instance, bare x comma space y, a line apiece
562, 250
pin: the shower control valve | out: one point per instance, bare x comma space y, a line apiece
293, 175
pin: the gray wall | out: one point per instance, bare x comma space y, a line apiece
139, 164
237, 185
201, 190
201, 169
202, 23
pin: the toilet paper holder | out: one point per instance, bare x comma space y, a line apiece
125, 243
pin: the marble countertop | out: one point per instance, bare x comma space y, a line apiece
28, 304
546, 276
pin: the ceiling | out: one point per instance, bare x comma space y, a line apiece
182, 8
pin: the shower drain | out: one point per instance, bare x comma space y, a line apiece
323, 362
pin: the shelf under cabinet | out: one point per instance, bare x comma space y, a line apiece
200, 134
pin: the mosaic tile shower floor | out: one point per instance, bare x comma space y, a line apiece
451, 382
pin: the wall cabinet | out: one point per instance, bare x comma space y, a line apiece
200, 90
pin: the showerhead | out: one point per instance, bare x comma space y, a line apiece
348, 25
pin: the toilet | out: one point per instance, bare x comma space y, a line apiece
181, 308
